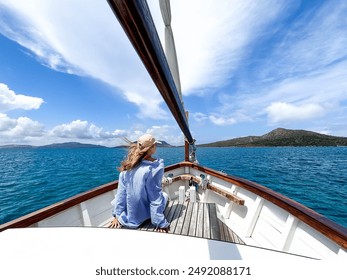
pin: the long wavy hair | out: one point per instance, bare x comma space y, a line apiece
134, 156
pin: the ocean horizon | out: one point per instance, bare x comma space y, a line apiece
31, 179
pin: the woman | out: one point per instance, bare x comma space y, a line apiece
140, 196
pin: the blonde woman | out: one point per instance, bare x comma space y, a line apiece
140, 196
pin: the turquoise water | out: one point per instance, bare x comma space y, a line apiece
34, 178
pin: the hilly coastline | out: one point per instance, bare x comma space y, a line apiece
276, 138
282, 137
70, 145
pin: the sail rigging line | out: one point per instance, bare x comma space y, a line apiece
136, 20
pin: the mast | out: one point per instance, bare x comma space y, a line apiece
136, 20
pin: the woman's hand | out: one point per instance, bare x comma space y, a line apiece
115, 224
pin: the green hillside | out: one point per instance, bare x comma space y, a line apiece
282, 137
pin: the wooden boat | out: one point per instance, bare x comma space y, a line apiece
219, 215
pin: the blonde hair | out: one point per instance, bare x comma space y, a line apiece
135, 155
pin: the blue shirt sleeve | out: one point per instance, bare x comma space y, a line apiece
120, 203
155, 196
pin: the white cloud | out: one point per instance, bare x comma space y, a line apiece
91, 44
212, 40
19, 128
26, 131
6, 123
9, 100
149, 108
222, 120
77, 129
320, 94
167, 133
199, 117
284, 112
302, 72
83, 130
315, 41
27, 127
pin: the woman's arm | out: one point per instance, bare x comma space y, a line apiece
155, 196
120, 202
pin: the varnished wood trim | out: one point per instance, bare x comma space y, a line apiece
229, 196
54, 209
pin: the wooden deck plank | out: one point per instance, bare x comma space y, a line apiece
236, 238
175, 217
200, 220
214, 226
222, 235
181, 218
226, 233
145, 225
206, 229
168, 208
171, 213
188, 217
195, 219
221, 226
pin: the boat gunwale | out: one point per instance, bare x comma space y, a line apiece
322, 224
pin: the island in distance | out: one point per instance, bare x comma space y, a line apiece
282, 137
279, 137
72, 145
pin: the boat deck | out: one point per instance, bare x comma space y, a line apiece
196, 219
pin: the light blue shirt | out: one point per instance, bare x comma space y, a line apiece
140, 196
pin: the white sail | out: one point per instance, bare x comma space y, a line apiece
170, 49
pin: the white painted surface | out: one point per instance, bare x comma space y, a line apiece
181, 194
71, 244
192, 194
78, 253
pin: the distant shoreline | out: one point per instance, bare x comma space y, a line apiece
279, 137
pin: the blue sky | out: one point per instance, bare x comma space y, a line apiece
68, 72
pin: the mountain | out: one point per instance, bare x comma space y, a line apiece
163, 144
282, 137
55, 145
72, 145
16, 146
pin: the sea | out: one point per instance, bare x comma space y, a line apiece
31, 179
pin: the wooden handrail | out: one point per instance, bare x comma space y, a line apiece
228, 195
